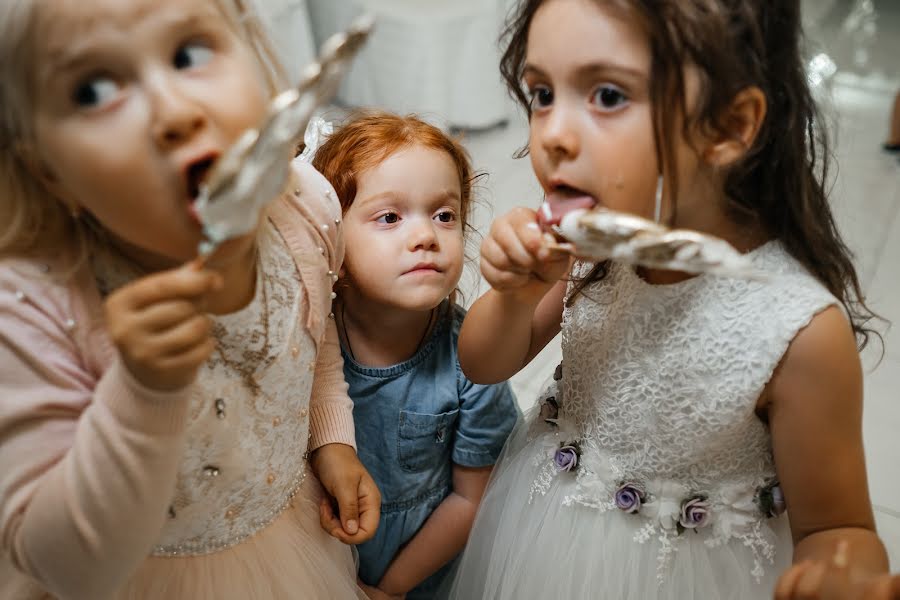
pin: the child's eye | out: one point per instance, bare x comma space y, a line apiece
192, 55
541, 97
609, 98
94, 92
445, 216
388, 218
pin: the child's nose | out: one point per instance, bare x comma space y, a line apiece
176, 117
559, 136
422, 236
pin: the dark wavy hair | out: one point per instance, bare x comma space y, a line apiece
780, 185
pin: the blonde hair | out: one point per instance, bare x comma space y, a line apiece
32, 222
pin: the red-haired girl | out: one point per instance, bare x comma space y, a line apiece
428, 435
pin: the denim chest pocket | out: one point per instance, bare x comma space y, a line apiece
424, 439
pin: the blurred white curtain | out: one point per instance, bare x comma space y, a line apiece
438, 58
289, 25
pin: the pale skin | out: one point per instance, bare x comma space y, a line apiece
813, 403
406, 215
171, 82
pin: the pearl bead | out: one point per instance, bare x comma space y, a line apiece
20, 295
70, 324
211, 471
324, 226
220, 408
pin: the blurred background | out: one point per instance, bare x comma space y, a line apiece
439, 58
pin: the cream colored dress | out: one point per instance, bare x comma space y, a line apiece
243, 522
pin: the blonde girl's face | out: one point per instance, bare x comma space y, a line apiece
591, 135
403, 231
135, 101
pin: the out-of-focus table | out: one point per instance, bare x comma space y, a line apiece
438, 58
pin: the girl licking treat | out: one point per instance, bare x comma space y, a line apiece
691, 414
426, 433
156, 413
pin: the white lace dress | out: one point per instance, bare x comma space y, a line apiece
244, 519
644, 471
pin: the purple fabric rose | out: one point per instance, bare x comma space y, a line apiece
566, 458
694, 513
629, 498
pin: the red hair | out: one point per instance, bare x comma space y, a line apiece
371, 137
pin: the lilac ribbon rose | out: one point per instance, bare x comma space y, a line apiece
566, 458
694, 513
629, 498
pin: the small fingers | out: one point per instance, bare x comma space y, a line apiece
809, 586
329, 522
788, 581
184, 282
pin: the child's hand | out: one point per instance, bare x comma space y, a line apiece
514, 257
376, 594
158, 325
824, 580
348, 483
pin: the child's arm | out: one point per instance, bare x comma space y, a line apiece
87, 466
514, 320
332, 449
814, 403
442, 536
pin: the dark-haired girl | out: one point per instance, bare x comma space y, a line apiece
702, 433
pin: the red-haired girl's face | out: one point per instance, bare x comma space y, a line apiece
403, 231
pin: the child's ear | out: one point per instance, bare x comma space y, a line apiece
741, 124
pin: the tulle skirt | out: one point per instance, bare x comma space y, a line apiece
546, 549
291, 558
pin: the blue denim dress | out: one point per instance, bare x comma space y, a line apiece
413, 421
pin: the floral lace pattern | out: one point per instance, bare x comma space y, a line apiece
659, 386
248, 425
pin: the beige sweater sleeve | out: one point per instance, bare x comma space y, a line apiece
331, 410
87, 466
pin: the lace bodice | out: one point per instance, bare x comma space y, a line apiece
659, 386
248, 426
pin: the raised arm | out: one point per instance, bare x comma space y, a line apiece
515, 319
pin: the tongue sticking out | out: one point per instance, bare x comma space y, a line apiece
556, 206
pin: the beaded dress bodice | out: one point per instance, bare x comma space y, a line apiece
248, 426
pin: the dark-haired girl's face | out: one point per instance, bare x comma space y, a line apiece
591, 142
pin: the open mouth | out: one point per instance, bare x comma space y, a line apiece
196, 173
562, 200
